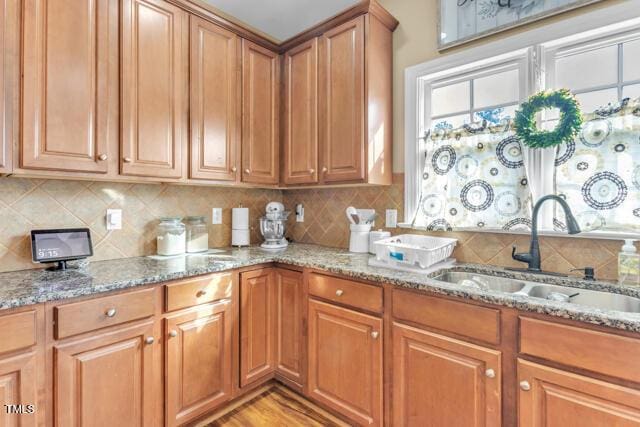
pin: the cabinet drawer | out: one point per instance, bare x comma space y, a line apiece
457, 317
348, 292
595, 351
84, 316
17, 331
187, 293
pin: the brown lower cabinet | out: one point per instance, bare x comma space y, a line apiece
18, 386
198, 366
552, 397
345, 361
289, 324
437, 379
106, 377
257, 326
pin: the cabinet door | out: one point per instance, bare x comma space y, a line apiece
342, 103
154, 88
555, 398
289, 337
438, 380
18, 390
106, 377
9, 32
69, 87
345, 361
215, 101
257, 326
301, 114
260, 112
198, 361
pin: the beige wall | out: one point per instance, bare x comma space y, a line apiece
414, 42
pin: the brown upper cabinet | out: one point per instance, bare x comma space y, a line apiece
350, 84
215, 102
260, 114
155, 37
69, 86
301, 114
8, 34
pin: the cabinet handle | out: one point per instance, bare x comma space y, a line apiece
339, 292
311, 171
102, 157
525, 386
375, 335
201, 293
490, 373
126, 159
149, 340
247, 171
173, 333
233, 169
111, 312
324, 169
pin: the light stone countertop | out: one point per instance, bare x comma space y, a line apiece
21, 288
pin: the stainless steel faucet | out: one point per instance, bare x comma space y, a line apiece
532, 258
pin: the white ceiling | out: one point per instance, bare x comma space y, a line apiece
281, 19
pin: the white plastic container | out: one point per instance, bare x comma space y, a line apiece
359, 239
374, 236
413, 249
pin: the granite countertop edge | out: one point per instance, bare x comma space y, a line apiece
28, 287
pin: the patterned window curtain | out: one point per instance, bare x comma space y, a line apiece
474, 177
599, 173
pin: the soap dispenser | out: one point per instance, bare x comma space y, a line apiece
629, 264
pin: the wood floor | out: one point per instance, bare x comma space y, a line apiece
276, 407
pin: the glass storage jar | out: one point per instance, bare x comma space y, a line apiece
197, 234
171, 236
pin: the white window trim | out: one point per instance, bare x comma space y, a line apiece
592, 24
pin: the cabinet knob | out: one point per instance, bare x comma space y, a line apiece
110, 313
149, 340
311, 171
324, 169
173, 333
375, 335
201, 293
233, 169
339, 292
247, 171
102, 157
490, 373
126, 159
525, 386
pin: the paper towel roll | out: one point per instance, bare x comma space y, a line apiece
240, 218
240, 238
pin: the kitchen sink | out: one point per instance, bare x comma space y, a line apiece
585, 297
481, 281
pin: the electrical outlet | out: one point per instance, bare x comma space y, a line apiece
114, 219
216, 216
299, 213
391, 218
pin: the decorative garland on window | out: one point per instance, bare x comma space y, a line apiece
568, 126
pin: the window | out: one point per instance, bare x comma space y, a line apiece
464, 101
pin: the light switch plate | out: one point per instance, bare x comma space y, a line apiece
114, 219
216, 216
391, 218
299, 213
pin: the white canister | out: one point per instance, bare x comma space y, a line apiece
359, 239
374, 236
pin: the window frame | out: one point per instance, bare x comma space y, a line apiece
536, 46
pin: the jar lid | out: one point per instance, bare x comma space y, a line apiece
170, 219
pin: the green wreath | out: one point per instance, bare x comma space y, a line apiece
568, 126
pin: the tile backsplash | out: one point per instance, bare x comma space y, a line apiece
326, 224
27, 204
